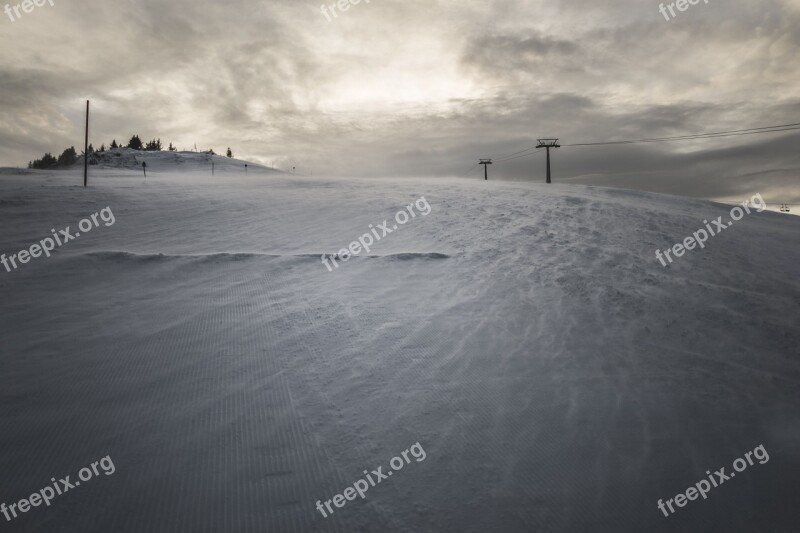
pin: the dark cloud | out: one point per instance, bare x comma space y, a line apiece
419, 87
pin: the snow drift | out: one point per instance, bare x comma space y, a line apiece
558, 377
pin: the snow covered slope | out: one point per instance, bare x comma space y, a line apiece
165, 161
556, 375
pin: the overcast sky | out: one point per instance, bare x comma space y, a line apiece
420, 87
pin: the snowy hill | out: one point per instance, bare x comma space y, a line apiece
558, 377
165, 161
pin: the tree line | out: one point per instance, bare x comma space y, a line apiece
69, 156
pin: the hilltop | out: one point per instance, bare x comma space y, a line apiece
166, 161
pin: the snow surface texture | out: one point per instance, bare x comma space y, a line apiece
556, 375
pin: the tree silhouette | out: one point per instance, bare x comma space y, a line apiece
154, 145
68, 157
47, 161
135, 143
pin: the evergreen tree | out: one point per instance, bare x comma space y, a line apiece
135, 143
172, 148
47, 161
102, 148
230, 154
68, 157
114, 145
154, 145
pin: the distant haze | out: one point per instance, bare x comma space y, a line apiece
420, 87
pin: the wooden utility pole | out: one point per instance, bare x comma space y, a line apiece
548, 143
485, 163
86, 150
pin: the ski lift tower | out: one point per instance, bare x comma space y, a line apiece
548, 143
485, 163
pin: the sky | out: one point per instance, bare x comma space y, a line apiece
420, 87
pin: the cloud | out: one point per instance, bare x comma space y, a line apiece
417, 87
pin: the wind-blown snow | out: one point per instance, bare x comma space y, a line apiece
557, 376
